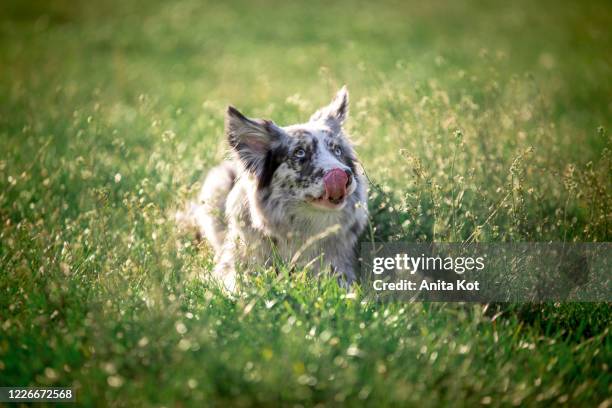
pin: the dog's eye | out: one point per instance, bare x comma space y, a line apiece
337, 151
299, 153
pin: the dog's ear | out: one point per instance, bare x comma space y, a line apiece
336, 112
251, 139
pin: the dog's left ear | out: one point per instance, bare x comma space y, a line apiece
251, 139
336, 112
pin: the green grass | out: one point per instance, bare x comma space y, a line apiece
475, 121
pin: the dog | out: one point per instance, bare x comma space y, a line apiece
295, 193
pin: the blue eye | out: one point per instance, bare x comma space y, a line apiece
299, 153
338, 151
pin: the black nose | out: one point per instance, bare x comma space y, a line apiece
349, 175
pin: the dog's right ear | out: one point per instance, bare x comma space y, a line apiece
336, 112
251, 139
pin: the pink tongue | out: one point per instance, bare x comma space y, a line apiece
335, 184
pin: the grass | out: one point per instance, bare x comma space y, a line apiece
475, 121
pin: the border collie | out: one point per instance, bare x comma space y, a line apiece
291, 193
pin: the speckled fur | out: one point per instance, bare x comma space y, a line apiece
258, 203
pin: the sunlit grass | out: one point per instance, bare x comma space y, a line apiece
474, 122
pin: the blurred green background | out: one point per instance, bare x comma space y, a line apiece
475, 121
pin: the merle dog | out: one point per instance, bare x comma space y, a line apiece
295, 192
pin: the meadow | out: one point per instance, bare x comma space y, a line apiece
475, 122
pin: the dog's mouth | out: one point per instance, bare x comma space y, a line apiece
327, 203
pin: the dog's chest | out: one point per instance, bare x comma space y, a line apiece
298, 248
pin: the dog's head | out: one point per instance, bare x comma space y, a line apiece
309, 164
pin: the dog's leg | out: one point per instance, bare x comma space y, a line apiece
225, 269
344, 268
